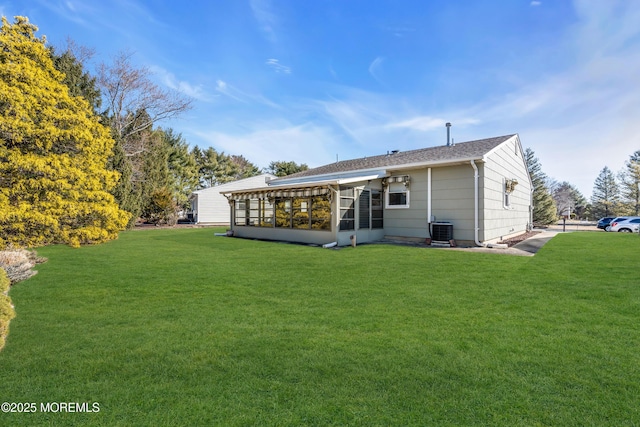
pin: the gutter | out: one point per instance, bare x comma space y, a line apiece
476, 213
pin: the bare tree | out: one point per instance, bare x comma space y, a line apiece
134, 103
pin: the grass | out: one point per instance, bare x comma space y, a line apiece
177, 327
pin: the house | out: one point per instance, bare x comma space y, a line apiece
208, 206
475, 192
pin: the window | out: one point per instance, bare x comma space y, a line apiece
398, 195
370, 209
364, 211
376, 209
347, 208
253, 210
283, 213
266, 213
509, 186
305, 213
300, 212
241, 212
320, 213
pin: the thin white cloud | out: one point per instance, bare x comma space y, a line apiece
535, 3
264, 142
236, 94
267, 20
374, 67
170, 80
278, 67
423, 123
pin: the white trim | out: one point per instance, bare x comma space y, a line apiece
407, 193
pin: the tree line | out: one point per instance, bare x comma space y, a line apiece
82, 156
613, 194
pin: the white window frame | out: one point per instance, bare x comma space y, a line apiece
393, 188
506, 196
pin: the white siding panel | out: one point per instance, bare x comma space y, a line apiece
212, 207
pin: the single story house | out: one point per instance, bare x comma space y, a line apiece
474, 193
208, 206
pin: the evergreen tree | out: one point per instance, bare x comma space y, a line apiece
54, 181
183, 170
630, 184
544, 207
79, 81
281, 168
215, 168
207, 162
244, 168
605, 200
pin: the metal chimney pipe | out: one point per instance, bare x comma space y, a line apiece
448, 125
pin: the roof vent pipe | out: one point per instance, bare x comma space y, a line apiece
448, 125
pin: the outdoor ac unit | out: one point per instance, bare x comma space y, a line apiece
442, 231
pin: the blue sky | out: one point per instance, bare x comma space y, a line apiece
313, 80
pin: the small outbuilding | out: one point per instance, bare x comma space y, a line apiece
474, 193
208, 206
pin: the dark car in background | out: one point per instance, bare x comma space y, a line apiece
604, 222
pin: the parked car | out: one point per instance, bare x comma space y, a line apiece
625, 225
604, 222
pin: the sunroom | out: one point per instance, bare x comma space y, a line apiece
318, 212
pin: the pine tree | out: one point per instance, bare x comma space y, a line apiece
544, 207
282, 168
630, 184
53, 152
605, 200
79, 81
183, 170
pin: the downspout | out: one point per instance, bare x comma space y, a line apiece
429, 201
476, 205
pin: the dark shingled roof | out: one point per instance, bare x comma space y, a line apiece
459, 151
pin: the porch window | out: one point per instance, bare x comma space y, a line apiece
241, 212
376, 209
266, 213
305, 213
283, 212
300, 212
320, 213
370, 210
253, 212
347, 208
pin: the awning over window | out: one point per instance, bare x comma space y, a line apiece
401, 178
269, 193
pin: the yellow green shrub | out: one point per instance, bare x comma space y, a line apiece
6, 309
54, 180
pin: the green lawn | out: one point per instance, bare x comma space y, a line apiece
178, 327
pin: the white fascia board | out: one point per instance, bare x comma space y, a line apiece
496, 148
282, 187
309, 183
338, 176
448, 162
360, 178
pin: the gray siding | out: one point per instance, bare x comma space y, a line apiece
498, 222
